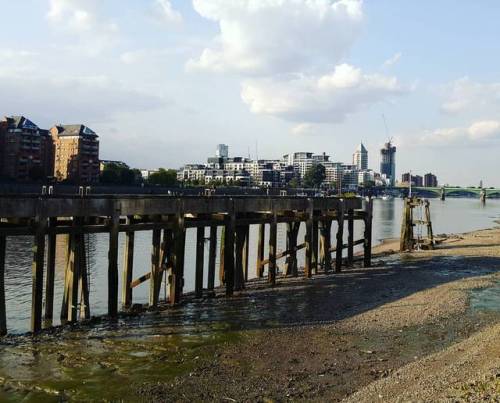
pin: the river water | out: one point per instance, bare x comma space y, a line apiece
451, 216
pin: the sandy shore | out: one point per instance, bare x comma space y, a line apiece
415, 327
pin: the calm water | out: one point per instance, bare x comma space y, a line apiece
451, 216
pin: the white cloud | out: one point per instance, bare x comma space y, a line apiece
480, 132
485, 129
314, 99
81, 18
277, 36
464, 94
393, 60
164, 10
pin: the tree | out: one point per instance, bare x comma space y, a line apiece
294, 183
164, 177
118, 175
315, 176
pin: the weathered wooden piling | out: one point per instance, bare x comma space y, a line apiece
212, 255
200, 261
292, 232
325, 234
340, 238
230, 228
239, 265
50, 276
128, 266
368, 218
273, 239
309, 239
260, 250
3, 312
155, 277
179, 236
113, 262
37, 274
350, 237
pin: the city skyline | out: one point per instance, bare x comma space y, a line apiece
163, 81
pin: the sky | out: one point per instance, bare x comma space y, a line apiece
164, 81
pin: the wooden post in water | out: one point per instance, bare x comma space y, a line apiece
350, 237
273, 236
37, 274
246, 253
155, 279
315, 245
325, 233
83, 281
340, 236
222, 279
74, 274
50, 277
309, 239
3, 315
230, 225
113, 263
260, 250
177, 281
128, 267
239, 274
200, 260
368, 233
212, 255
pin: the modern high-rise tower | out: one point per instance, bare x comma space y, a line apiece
222, 151
360, 158
388, 162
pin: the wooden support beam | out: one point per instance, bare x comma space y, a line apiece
315, 245
340, 238
83, 281
239, 275
350, 237
37, 274
128, 267
212, 255
75, 272
200, 261
155, 279
273, 238
368, 233
229, 249
50, 277
309, 239
260, 250
179, 237
113, 263
326, 229
291, 268
246, 252
67, 278
3, 313
222, 279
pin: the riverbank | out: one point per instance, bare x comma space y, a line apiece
413, 326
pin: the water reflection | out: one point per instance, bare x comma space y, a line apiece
452, 216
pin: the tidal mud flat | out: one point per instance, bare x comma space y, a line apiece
422, 326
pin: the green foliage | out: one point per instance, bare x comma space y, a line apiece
315, 176
294, 183
164, 177
114, 174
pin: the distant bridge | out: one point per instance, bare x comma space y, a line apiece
451, 191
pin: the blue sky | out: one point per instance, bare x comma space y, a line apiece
162, 82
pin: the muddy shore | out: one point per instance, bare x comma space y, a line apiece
422, 326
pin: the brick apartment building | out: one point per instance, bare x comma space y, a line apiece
76, 153
25, 150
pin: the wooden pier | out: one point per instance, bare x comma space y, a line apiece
45, 218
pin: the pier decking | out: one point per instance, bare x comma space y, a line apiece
168, 217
